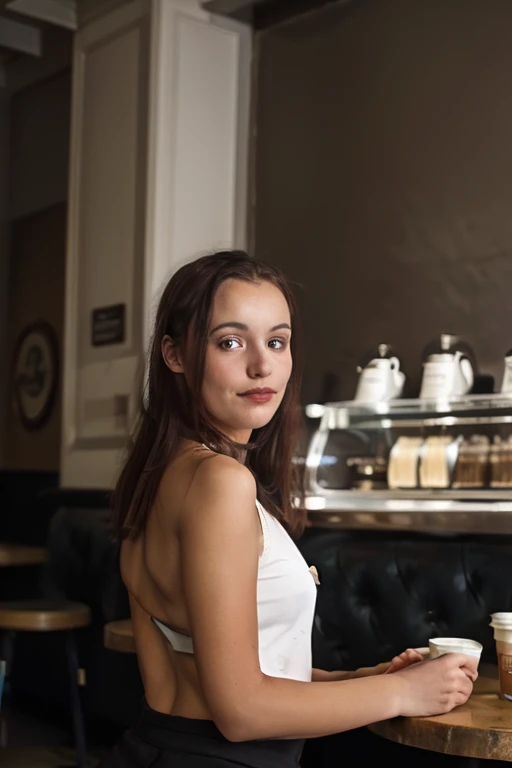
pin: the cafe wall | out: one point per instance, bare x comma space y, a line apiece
382, 178
4, 254
38, 161
36, 290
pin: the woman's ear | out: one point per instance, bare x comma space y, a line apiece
171, 355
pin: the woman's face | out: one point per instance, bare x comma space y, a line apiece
248, 358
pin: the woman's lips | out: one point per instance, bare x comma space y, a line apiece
258, 396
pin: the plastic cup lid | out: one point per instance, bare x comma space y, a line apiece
501, 620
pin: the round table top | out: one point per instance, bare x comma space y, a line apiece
19, 554
480, 728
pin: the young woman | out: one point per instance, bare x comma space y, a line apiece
222, 601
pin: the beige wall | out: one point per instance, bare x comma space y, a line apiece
4, 256
383, 177
39, 145
36, 292
38, 142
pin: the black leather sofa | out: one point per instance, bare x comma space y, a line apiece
379, 593
382, 592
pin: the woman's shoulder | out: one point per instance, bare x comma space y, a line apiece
216, 472
220, 490
201, 483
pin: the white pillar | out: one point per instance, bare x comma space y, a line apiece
158, 175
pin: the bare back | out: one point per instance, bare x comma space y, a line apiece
151, 570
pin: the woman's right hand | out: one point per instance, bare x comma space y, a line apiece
436, 686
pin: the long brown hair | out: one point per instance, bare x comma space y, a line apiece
173, 407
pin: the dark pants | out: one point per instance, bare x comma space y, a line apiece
168, 741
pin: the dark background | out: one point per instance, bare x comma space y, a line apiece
382, 178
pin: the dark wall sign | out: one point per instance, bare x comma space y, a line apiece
108, 325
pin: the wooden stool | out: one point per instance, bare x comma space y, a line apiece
48, 616
118, 636
18, 554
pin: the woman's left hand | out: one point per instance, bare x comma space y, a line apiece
405, 659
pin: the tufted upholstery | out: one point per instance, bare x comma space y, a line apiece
83, 563
381, 593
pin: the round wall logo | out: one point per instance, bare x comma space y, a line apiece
35, 374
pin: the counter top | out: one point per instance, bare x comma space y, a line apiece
484, 512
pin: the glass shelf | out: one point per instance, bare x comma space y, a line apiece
411, 453
440, 515
355, 499
470, 409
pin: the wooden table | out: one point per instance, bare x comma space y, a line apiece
18, 554
480, 729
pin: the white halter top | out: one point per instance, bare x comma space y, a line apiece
286, 597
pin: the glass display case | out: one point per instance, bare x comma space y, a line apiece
431, 465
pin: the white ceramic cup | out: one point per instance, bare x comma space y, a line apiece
441, 645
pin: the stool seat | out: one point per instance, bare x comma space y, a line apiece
18, 554
43, 615
118, 636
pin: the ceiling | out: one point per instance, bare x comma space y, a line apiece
15, 27
263, 12
49, 52
23, 33
8, 52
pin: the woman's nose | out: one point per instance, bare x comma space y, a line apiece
259, 365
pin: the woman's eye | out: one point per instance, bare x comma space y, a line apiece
277, 343
229, 343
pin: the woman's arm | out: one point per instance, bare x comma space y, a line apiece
219, 534
410, 656
323, 676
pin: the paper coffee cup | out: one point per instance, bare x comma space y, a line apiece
502, 626
441, 645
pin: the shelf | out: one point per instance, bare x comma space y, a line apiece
375, 511
470, 409
469, 496
420, 501
443, 511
